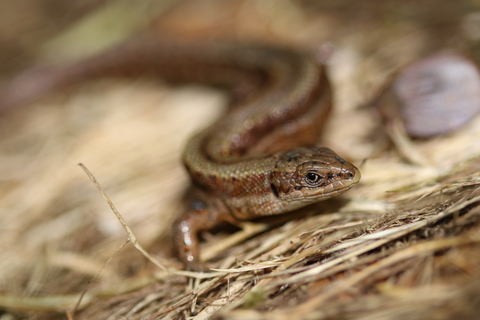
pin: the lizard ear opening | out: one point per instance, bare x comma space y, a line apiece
274, 190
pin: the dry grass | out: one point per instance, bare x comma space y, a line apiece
405, 243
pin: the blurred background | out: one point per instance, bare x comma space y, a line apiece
30, 28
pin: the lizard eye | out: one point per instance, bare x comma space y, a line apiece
312, 178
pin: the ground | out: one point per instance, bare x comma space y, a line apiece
402, 244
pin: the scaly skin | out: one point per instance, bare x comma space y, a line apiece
253, 162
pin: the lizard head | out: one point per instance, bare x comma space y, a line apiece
310, 175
